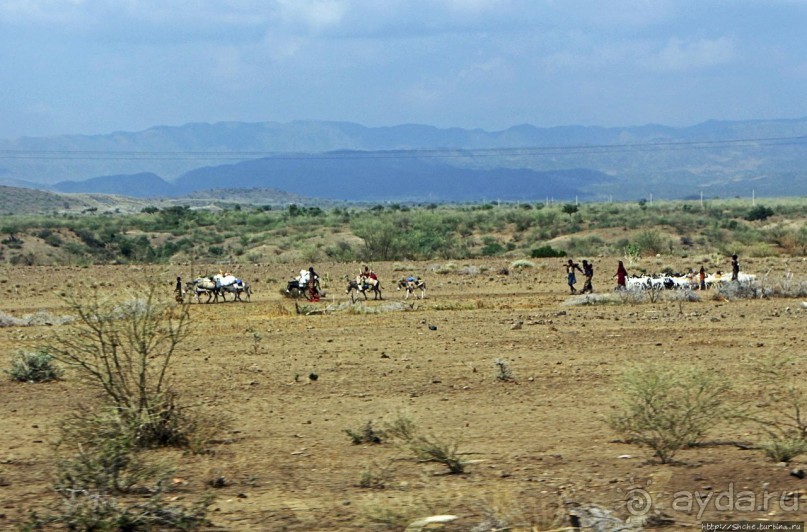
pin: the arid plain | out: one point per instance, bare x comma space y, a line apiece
537, 445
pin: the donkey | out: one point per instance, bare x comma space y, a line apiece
410, 284
362, 286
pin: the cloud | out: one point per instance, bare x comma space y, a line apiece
680, 55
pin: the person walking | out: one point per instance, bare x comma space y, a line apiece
702, 277
313, 285
571, 279
178, 290
735, 268
621, 276
588, 273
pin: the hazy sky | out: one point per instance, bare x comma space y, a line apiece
97, 66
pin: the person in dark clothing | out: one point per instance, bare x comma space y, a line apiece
571, 279
621, 276
702, 277
313, 284
735, 268
178, 290
588, 273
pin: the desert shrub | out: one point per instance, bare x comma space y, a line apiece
652, 242
366, 434
34, 366
400, 428
471, 269
593, 299
668, 408
760, 212
780, 407
443, 269
433, 449
546, 252
632, 296
492, 249
124, 350
783, 450
787, 286
101, 478
426, 448
503, 371
521, 264
342, 251
732, 291
374, 476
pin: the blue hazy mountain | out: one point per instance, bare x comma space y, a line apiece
407, 161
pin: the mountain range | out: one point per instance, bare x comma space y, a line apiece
346, 161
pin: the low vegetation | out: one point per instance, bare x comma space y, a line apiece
260, 233
37, 366
122, 349
668, 408
779, 409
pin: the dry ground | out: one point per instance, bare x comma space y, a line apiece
537, 443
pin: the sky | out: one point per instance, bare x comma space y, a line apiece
99, 66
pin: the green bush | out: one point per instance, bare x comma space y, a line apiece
34, 367
760, 212
667, 408
546, 252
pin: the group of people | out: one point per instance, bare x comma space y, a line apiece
622, 275
588, 272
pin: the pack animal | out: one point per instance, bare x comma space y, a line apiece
237, 288
362, 285
203, 286
410, 285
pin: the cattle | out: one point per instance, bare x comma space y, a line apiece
410, 284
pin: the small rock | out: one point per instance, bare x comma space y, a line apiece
432, 327
516, 326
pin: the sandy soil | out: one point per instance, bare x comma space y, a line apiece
538, 445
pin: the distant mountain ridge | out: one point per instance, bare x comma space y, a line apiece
144, 185
718, 158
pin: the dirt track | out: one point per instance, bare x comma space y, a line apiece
538, 443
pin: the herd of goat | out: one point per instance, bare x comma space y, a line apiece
683, 281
